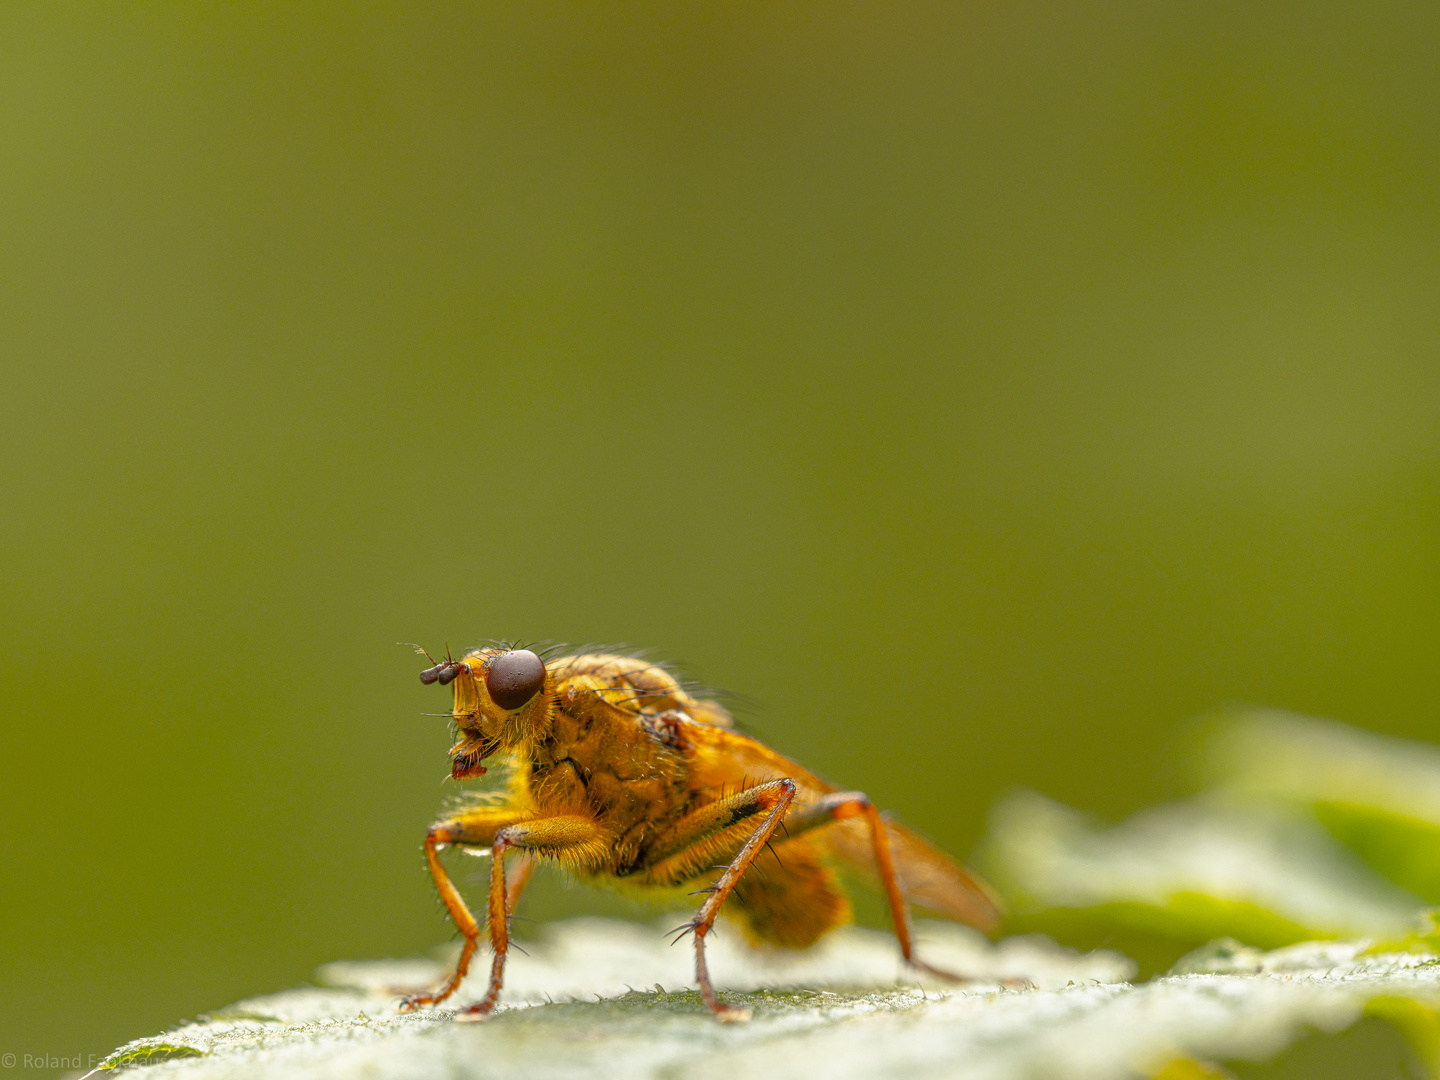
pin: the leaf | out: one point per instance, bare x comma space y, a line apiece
1176, 876
839, 1012
1378, 795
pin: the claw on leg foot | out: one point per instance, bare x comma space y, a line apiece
414, 1001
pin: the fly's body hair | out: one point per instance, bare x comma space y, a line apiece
609, 767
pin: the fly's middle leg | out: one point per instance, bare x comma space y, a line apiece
771, 799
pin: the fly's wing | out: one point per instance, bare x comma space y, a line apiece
928, 876
714, 714
724, 761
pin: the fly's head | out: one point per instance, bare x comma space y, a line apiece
503, 698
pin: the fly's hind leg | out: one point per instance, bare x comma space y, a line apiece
700, 832
842, 806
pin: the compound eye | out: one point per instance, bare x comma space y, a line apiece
513, 678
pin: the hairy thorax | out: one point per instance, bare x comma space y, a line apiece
607, 757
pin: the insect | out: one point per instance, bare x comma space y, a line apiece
621, 776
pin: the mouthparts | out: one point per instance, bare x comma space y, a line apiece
467, 755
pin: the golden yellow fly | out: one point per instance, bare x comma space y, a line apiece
622, 777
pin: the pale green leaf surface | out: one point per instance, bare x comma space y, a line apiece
1378, 795
1270, 752
1186, 873
839, 1010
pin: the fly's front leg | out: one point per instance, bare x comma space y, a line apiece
475, 828
517, 879
774, 796
569, 838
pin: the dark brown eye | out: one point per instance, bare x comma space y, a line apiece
513, 678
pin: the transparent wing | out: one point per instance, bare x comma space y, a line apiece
929, 877
724, 760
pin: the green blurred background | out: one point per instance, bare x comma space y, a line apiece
983, 389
